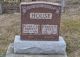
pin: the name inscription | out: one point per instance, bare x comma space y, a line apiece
45, 29
40, 15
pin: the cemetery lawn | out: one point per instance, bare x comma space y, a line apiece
70, 29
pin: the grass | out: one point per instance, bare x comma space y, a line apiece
70, 29
9, 27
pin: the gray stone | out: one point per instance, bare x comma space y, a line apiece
62, 2
10, 53
39, 47
0, 8
26, 0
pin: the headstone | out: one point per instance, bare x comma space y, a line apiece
40, 21
63, 5
0, 8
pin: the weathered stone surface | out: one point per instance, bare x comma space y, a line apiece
39, 47
26, 0
10, 53
62, 2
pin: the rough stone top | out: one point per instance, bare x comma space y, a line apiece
23, 3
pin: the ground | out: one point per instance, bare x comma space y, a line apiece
9, 27
69, 28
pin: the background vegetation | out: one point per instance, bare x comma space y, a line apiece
70, 28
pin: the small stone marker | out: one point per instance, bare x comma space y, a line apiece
40, 21
0, 8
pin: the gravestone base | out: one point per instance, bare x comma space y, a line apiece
10, 53
39, 47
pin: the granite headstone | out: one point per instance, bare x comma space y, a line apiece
40, 21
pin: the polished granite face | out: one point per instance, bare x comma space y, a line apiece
40, 21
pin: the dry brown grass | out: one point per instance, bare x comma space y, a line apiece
9, 27
70, 29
